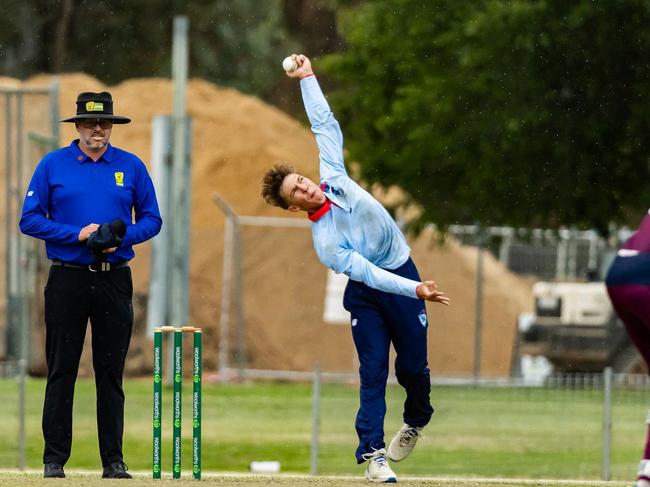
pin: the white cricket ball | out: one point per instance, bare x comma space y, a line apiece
289, 64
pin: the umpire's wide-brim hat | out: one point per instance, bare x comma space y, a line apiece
96, 105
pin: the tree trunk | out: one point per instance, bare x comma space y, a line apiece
60, 37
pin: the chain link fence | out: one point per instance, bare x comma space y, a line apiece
29, 129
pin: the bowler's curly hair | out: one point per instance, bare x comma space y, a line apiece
271, 184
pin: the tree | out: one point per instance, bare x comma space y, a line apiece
237, 43
501, 111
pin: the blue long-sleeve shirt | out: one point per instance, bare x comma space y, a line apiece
69, 191
355, 235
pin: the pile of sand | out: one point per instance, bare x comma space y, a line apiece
235, 138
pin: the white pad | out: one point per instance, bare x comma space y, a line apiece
644, 468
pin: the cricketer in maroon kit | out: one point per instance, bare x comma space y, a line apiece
628, 285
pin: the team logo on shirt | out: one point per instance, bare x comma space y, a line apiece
423, 318
326, 188
119, 179
354, 322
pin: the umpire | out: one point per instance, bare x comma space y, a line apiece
90, 202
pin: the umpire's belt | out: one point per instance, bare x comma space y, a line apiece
96, 267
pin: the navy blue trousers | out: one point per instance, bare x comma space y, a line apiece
379, 319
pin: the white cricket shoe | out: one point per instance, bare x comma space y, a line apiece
403, 442
378, 469
644, 469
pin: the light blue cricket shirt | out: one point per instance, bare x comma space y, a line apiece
355, 236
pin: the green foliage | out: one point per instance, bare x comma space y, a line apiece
518, 112
476, 431
237, 43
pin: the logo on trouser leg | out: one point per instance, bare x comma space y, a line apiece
354, 322
423, 318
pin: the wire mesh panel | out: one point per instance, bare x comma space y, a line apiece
630, 416
28, 129
26, 124
544, 253
275, 290
530, 432
538, 260
281, 310
500, 430
497, 429
9, 411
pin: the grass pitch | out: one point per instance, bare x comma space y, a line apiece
475, 432
231, 480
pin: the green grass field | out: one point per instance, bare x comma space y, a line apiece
476, 432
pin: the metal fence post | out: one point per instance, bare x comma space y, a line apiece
158, 307
572, 260
226, 281
12, 331
607, 422
478, 323
504, 249
315, 416
238, 300
561, 256
226, 293
54, 110
178, 283
22, 402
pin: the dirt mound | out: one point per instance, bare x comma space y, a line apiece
235, 138
6, 82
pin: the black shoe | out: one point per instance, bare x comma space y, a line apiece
116, 470
53, 471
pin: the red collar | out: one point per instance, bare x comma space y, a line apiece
318, 214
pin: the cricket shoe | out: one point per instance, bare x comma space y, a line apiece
53, 470
644, 474
116, 470
403, 442
378, 469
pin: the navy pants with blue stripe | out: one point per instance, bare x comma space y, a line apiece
379, 319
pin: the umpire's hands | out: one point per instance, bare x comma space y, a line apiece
303, 69
428, 290
87, 230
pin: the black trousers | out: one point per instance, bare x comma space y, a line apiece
72, 297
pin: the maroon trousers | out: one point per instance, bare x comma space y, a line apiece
632, 304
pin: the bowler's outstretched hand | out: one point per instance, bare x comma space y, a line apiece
303, 69
428, 290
